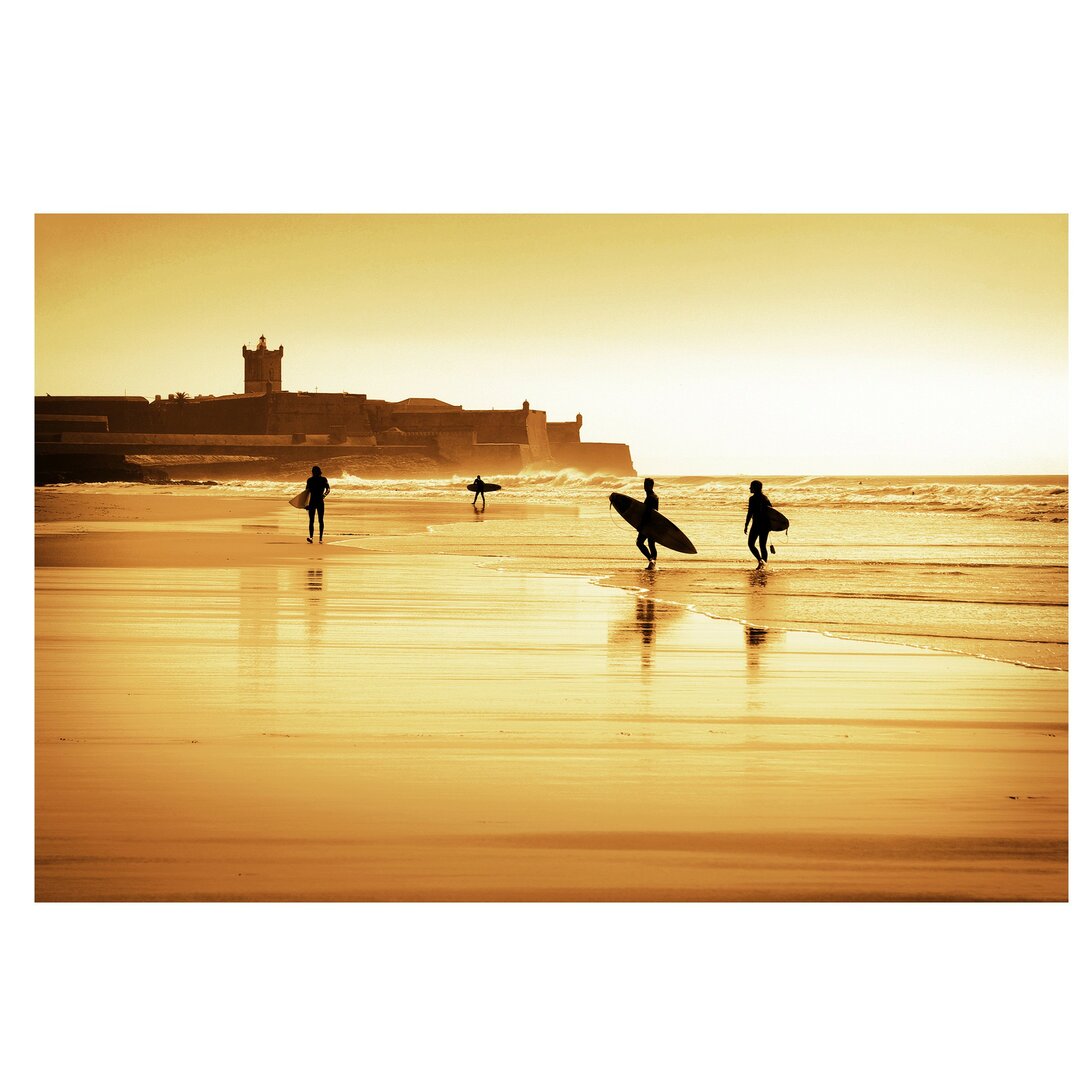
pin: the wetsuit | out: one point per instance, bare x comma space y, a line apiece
479, 493
317, 487
757, 516
646, 544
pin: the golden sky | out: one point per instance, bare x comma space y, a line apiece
713, 344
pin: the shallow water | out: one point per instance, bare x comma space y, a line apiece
974, 565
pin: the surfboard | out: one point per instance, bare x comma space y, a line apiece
777, 521
485, 488
652, 523
300, 501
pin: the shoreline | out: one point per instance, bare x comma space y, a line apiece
426, 517
881, 639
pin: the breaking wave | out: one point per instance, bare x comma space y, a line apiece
1018, 499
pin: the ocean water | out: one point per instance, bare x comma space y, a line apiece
971, 565
974, 565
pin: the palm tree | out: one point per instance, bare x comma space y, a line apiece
180, 397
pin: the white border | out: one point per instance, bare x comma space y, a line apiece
944, 107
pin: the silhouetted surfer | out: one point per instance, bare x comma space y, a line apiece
317, 487
646, 544
479, 493
757, 517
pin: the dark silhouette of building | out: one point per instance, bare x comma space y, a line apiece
266, 422
262, 368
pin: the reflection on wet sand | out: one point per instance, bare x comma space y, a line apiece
759, 614
315, 607
258, 629
756, 637
639, 632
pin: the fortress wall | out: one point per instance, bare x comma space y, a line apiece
596, 457
536, 430
456, 446
498, 458
159, 444
499, 440
251, 414
560, 433
488, 427
210, 416
458, 420
123, 413
316, 414
499, 425
396, 437
380, 414
58, 422
158, 439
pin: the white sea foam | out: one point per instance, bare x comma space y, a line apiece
1033, 499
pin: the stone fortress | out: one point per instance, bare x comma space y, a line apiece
266, 427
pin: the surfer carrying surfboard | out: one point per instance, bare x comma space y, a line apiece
646, 544
479, 493
317, 487
650, 524
757, 515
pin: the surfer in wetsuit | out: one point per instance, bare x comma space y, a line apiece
317, 487
479, 493
646, 544
757, 515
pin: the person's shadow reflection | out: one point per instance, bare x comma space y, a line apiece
756, 639
646, 621
644, 626
314, 604
759, 613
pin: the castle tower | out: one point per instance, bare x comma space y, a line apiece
262, 368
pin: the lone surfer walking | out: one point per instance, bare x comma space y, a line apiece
646, 544
479, 493
317, 487
757, 519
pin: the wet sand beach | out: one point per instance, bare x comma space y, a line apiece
227, 713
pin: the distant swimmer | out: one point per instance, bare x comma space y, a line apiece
317, 487
646, 544
757, 516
